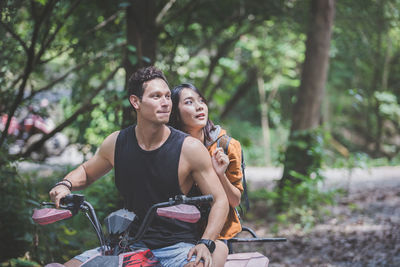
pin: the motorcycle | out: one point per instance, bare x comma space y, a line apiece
115, 245
31, 129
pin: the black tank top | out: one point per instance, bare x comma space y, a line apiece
144, 178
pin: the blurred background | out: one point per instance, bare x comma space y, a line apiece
310, 89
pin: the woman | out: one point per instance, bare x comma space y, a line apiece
190, 114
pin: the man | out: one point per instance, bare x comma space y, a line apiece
152, 163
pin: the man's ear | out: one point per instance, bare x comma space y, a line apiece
135, 101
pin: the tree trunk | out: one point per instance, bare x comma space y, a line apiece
378, 150
307, 109
264, 119
376, 133
306, 114
142, 33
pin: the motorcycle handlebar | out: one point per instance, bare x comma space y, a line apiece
72, 202
181, 199
76, 202
68, 199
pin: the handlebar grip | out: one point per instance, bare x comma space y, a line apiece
72, 202
67, 199
198, 200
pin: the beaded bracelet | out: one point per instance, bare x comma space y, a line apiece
64, 184
66, 180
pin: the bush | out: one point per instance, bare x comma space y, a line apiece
28, 243
15, 226
298, 197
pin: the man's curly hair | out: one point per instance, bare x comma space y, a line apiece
136, 81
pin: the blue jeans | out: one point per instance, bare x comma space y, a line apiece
174, 256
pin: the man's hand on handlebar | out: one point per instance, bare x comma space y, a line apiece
201, 252
57, 193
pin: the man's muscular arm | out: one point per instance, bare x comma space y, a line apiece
196, 156
91, 170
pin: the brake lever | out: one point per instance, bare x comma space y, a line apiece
47, 204
53, 205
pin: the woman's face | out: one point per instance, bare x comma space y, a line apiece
193, 110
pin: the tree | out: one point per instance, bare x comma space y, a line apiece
277, 51
364, 69
191, 52
300, 161
141, 35
153, 32
44, 49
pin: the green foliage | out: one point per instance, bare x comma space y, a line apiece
363, 77
19, 262
267, 35
304, 214
361, 106
60, 56
298, 196
304, 156
388, 105
15, 226
363, 161
305, 193
58, 242
250, 137
304, 205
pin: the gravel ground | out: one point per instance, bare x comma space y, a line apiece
363, 229
370, 178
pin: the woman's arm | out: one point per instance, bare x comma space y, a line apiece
228, 169
232, 192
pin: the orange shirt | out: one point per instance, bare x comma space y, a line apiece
234, 174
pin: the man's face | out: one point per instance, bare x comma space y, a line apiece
155, 105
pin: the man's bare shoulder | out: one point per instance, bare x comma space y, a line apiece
112, 138
107, 148
192, 144
193, 149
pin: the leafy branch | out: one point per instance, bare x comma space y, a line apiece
86, 106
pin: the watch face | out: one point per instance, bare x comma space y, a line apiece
211, 246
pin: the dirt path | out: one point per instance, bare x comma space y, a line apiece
386, 176
362, 230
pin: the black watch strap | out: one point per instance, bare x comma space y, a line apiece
209, 244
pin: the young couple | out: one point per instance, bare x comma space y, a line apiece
153, 162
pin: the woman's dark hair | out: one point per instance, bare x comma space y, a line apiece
175, 118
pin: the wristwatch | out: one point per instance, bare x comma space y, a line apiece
209, 244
